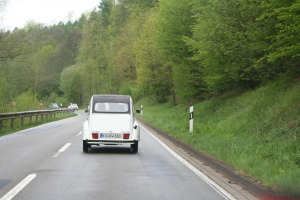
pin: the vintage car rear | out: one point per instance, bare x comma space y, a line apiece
110, 121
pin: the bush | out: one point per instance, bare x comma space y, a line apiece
26, 101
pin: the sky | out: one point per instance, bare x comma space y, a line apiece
19, 12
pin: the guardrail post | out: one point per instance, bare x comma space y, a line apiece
22, 122
30, 119
0, 125
12, 123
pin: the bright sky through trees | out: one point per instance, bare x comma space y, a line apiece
19, 12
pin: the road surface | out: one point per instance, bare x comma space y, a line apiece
47, 162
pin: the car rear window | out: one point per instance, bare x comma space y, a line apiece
111, 107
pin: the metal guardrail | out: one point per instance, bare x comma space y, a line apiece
21, 115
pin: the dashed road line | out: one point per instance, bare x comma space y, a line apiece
13, 192
79, 133
62, 150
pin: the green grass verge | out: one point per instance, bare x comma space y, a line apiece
256, 132
17, 124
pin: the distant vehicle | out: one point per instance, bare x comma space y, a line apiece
54, 106
110, 122
73, 106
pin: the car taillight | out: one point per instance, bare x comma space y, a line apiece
126, 135
95, 135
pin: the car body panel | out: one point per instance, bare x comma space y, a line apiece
110, 123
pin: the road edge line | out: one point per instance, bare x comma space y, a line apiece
205, 178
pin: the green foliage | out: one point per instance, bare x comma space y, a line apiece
244, 43
285, 46
52, 99
126, 88
175, 19
179, 51
12, 45
93, 54
4, 97
91, 78
26, 101
40, 67
71, 83
224, 43
109, 39
34, 57
153, 76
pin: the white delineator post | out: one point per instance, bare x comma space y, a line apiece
191, 119
142, 109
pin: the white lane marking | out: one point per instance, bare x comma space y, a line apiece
13, 192
62, 150
210, 182
79, 133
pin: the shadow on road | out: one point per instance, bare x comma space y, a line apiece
110, 150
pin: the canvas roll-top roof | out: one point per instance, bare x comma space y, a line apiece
112, 98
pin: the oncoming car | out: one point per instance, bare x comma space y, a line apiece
110, 122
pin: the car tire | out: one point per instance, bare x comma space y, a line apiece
85, 146
135, 147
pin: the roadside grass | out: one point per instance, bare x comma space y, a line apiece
256, 132
17, 123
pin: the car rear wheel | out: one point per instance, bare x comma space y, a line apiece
135, 147
85, 146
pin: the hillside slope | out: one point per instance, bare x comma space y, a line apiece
257, 132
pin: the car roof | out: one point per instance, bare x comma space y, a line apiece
112, 98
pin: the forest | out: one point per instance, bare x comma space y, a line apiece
176, 51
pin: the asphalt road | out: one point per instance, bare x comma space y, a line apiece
47, 162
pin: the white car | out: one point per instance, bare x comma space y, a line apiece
54, 106
110, 121
73, 106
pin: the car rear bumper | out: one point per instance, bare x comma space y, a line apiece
112, 142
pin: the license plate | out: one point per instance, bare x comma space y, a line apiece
111, 135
